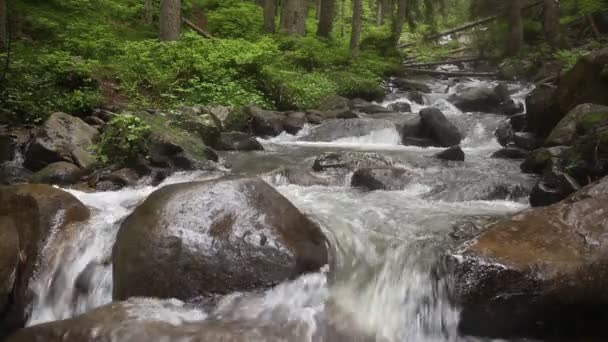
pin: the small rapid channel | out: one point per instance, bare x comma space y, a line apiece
382, 284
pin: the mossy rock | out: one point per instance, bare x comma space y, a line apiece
590, 121
201, 125
238, 120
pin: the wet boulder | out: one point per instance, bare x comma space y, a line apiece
444, 132
238, 141
542, 111
540, 274
481, 99
202, 126
400, 107
57, 140
454, 153
36, 212
7, 148
538, 160
9, 259
294, 122
586, 82
113, 180
332, 130
266, 122
581, 117
350, 161
60, 173
526, 141
11, 174
213, 237
511, 107
303, 177
365, 107
380, 178
505, 133
510, 153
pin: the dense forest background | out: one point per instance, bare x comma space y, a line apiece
77, 55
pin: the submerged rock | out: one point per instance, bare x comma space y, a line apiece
56, 141
213, 237
541, 274
380, 179
350, 161
441, 129
454, 153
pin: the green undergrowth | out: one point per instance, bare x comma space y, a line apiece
67, 51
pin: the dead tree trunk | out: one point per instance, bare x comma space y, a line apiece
269, 16
170, 19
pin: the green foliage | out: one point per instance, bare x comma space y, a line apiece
46, 81
569, 57
242, 20
124, 138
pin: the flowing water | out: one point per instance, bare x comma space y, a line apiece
383, 283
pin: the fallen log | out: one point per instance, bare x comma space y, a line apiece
197, 29
448, 61
451, 73
467, 26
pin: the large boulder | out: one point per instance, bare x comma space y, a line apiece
213, 237
36, 212
61, 173
57, 139
542, 111
411, 85
541, 273
454, 153
585, 83
538, 160
238, 141
444, 132
9, 259
266, 122
583, 115
332, 130
481, 99
380, 178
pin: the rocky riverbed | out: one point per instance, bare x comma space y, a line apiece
404, 220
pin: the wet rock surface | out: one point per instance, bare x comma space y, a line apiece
213, 237
380, 179
441, 129
350, 161
454, 153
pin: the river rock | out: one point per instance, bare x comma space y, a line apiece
332, 130
538, 160
481, 99
266, 122
583, 115
294, 122
454, 153
380, 178
37, 211
365, 107
411, 85
511, 107
542, 111
7, 148
526, 141
510, 153
60, 135
9, 259
400, 107
238, 141
333, 102
541, 273
504, 133
202, 126
299, 176
213, 237
441, 129
61, 173
350, 161
584, 83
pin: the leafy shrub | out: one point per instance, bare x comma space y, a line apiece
293, 89
124, 138
242, 20
569, 57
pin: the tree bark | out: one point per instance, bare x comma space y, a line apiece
269, 16
551, 23
170, 19
326, 19
148, 15
293, 17
355, 35
399, 20
516, 39
3, 25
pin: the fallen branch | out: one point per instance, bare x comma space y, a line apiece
467, 26
448, 61
197, 29
451, 73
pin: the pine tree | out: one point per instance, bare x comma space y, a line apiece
170, 19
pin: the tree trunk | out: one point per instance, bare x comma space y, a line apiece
355, 35
551, 24
269, 16
326, 19
516, 39
293, 18
3, 25
148, 15
399, 20
170, 19
380, 13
